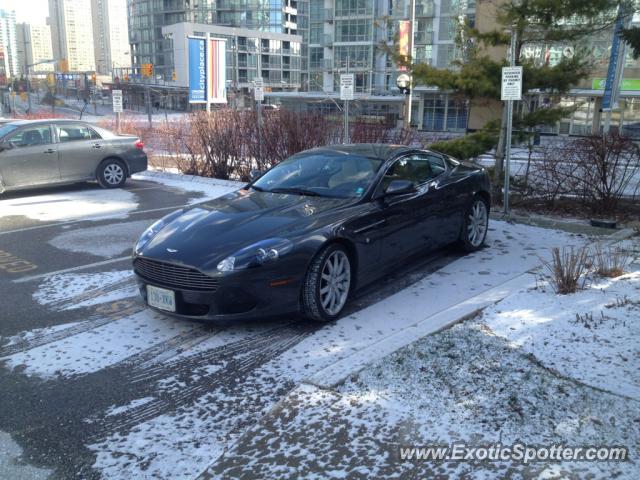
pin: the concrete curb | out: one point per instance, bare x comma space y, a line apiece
571, 226
335, 374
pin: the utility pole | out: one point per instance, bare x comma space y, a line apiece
409, 96
507, 146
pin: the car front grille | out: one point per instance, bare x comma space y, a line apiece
175, 276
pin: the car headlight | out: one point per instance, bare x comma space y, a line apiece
154, 229
256, 254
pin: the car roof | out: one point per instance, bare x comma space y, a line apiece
378, 151
44, 120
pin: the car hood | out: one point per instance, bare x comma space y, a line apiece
208, 232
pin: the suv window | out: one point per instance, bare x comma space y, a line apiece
71, 133
31, 136
416, 168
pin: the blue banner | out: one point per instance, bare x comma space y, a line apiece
613, 62
197, 70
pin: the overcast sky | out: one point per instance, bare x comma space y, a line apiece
30, 11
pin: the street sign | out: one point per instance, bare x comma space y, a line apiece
346, 86
116, 96
511, 83
258, 89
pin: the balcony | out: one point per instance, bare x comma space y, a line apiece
326, 40
328, 15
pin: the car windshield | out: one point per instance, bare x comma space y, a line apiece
7, 128
321, 174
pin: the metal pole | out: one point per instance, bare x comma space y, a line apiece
148, 102
409, 96
259, 111
346, 138
507, 146
28, 86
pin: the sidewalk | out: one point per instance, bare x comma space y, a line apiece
462, 383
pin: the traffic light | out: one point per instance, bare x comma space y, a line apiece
93, 78
64, 65
174, 76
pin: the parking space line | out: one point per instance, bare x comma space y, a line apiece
72, 269
113, 216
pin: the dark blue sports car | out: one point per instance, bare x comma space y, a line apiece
307, 233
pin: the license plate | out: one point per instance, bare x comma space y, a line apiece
161, 298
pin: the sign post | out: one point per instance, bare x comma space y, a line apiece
511, 91
258, 94
116, 100
346, 94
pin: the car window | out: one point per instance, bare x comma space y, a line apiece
71, 133
31, 136
437, 164
416, 168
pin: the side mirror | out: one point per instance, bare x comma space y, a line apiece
398, 187
255, 174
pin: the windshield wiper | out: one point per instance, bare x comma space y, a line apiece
295, 191
258, 189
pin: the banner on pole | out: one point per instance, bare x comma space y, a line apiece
609, 85
404, 27
197, 70
217, 71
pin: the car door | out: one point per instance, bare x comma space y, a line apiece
409, 218
80, 151
31, 157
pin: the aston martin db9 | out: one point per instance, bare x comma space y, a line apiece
304, 235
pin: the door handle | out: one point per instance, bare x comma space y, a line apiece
97, 145
51, 150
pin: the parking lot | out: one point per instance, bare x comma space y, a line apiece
94, 384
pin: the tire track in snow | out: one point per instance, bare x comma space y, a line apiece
104, 314
236, 361
94, 294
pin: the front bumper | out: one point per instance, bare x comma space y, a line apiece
243, 295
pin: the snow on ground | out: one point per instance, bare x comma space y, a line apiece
106, 241
76, 290
95, 203
207, 187
592, 335
13, 466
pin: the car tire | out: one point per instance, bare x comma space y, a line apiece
475, 225
327, 284
111, 173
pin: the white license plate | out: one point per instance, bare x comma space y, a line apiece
161, 298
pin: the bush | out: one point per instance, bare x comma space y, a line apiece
567, 267
610, 261
470, 146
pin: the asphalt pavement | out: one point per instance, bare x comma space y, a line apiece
85, 366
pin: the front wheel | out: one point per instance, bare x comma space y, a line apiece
327, 284
475, 226
111, 174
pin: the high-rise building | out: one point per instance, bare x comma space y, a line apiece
9, 44
34, 45
72, 33
110, 36
147, 17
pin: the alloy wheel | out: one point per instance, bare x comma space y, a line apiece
335, 281
477, 225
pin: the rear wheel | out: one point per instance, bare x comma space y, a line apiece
327, 284
111, 173
475, 226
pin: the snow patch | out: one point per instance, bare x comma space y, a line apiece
207, 187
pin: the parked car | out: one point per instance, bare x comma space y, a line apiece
308, 232
46, 152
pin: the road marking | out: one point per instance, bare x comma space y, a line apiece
12, 264
113, 215
72, 269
